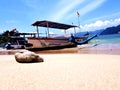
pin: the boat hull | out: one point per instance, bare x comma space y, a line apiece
49, 43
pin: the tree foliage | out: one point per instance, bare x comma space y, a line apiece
6, 36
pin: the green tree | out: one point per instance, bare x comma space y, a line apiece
6, 36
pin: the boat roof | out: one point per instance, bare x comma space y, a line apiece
50, 24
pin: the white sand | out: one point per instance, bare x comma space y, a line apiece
61, 72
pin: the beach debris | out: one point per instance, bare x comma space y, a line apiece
27, 57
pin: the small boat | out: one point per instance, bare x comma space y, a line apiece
48, 41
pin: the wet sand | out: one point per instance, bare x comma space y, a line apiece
111, 49
61, 72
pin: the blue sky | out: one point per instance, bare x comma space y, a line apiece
94, 14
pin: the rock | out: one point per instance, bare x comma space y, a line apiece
27, 57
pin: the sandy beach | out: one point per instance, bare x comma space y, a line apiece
61, 72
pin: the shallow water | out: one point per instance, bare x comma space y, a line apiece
113, 39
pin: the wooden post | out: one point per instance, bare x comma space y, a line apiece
74, 31
48, 29
65, 31
46, 33
37, 30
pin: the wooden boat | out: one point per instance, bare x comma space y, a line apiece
49, 42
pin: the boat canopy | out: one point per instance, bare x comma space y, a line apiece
50, 24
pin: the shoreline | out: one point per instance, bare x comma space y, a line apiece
110, 49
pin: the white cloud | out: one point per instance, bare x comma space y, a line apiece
91, 6
100, 25
65, 7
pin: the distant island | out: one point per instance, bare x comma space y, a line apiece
111, 30
107, 31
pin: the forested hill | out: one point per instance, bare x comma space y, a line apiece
111, 30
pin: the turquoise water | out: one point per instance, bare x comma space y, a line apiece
104, 39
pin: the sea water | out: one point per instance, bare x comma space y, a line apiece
106, 39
